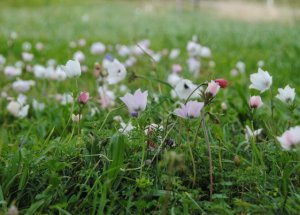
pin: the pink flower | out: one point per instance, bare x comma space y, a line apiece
290, 138
189, 110
135, 103
222, 82
176, 68
212, 88
255, 102
83, 97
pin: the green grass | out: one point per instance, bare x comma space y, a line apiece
57, 171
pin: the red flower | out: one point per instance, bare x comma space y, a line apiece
222, 82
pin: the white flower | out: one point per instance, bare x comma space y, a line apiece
194, 66
17, 110
126, 128
193, 48
116, 71
290, 138
39, 71
59, 74
260, 64
37, 105
2, 60
174, 53
184, 89
11, 71
136, 102
97, 48
79, 56
26, 46
22, 99
130, 61
205, 52
149, 129
107, 97
75, 118
286, 95
123, 50
27, 56
72, 69
261, 80
241, 66
173, 79
66, 98
22, 86
250, 134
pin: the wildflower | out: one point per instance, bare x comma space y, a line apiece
79, 56
290, 138
136, 103
76, 118
72, 69
17, 110
241, 66
205, 52
194, 66
66, 98
250, 134
83, 97
193, 48
176, 68
37, 105
174, 53
191, 109
107, 97
261, 80
126, 128
184, 89
222, 82
22, 86
212, 88
97, 48
255, 102
116, 71
2, 59
27, 56
286, 95
12, 71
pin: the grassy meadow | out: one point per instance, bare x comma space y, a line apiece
51, 165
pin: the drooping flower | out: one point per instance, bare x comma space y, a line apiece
116, 71
184, 89
83, 97
135, 103
212, 88
191, 109
261, 80
222, 82
72, 69
290, 138
286, 94
255, 102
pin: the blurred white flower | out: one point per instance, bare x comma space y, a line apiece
126, 128
66, 98
37, 105
82, 42
72, 69
2, 60
174, 53
97, 48
184, 89
39, 71
194, 66
193, 48
149, 129
173, 79
123, 50
205, 52
116, 71
39, 46
11, 71
22, 86
75, 118
26, 46
22, 99
107, 97
130, 61
27, 57
261, 80
290, 138
286, 95
260, 64
250, 134
241, 66
79, 56
17, 110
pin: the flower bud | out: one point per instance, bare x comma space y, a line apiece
255, 102
222, 82
83, 97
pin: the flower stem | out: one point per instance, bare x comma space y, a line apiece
209, 156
